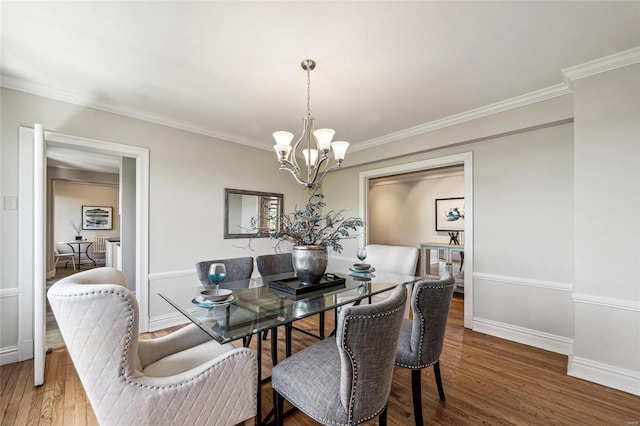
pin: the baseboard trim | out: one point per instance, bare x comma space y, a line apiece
161, 322
527, 336
8, 355
605, 374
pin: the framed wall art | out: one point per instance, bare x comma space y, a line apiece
450, 214
97, 217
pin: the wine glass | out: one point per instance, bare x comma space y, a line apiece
217, 273
362, 253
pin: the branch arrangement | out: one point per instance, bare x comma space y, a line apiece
308, 226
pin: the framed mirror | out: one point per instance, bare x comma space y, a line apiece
241, 206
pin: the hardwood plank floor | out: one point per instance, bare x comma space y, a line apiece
487, 380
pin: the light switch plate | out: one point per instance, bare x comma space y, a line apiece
10, 203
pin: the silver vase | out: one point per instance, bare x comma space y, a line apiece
310, 262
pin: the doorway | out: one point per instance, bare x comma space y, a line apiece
29, 251
79, 180
465, 161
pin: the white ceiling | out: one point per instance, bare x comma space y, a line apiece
68, 158
231, 69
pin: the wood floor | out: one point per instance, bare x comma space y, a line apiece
486, 380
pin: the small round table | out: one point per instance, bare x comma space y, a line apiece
82, 249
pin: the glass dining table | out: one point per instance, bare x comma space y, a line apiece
259, 305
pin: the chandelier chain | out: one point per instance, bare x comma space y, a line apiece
308, 90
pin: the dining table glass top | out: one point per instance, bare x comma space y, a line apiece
254, 306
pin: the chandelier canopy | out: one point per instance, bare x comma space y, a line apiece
315, 145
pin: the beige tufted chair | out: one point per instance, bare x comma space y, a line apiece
184, 378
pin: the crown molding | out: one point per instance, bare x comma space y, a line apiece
77, 99
495, 108
600, 65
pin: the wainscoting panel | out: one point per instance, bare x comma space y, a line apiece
161, 314
8, 311
534, 312
607, 342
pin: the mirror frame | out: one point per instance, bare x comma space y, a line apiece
259, 233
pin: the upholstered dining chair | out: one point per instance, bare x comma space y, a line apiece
238, 269
274, 264
393, 259
400, 260
184, 378
58, 255
422, 338
282, 263
345, 380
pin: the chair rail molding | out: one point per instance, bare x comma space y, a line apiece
608, 302
9, 292
524, 281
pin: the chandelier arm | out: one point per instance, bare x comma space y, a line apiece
287, 165
298, 178
323, 161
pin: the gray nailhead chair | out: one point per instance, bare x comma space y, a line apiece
238, 269
281, 263
274, 264
421, 338
346, 379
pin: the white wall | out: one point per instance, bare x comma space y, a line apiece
186, 200
69, 197
402, 211
552, 267
523, 206
607, 231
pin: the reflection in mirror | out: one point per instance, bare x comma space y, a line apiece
241, 207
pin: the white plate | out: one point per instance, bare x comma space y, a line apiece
200, 301
362, 271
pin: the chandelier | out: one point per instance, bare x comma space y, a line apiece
315, 145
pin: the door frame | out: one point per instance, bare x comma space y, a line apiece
465, 159
26, 223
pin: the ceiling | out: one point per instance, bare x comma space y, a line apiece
232, 69
73, 158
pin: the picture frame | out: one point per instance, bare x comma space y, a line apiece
97, 218
450, 214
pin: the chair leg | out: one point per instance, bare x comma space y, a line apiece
246, 341
382, 418
436, 371
321, 325
279, 409
416, 390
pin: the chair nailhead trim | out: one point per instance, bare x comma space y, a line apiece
129, 339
